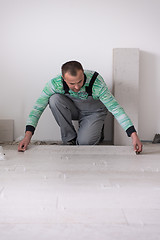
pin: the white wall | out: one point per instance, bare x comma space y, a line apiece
38, 36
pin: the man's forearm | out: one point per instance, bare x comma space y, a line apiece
28, 135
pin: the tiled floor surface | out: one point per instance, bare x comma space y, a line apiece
80, 192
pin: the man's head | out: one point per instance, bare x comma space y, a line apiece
73, 75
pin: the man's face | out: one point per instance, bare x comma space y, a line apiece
74, 82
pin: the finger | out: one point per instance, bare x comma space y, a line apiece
21, 148
139, 148
135, 147
25, 147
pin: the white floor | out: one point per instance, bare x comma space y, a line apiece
86, 192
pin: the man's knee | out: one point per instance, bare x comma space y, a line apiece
88, 141
55, 100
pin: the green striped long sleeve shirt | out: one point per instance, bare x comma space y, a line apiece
99, 91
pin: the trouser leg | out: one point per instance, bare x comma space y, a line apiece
90, 128
64, 111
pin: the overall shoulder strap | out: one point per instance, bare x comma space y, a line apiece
65, 86
89, 88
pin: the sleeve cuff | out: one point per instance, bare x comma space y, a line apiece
30, 128
130, 130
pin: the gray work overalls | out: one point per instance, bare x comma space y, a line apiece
89, 112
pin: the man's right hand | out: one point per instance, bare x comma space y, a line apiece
25, 142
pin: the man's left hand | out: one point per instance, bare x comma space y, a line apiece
136, 143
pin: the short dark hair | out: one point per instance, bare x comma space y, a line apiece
71, 67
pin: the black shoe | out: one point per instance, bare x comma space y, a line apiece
156, 138
102, 134
71, 142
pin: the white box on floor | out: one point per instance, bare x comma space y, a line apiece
6, 130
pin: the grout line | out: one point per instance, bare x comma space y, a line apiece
2, 192
57, 202
124, 215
